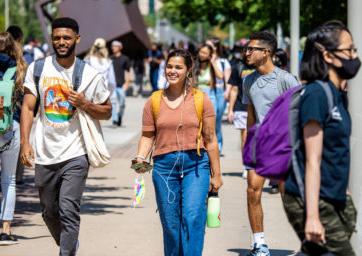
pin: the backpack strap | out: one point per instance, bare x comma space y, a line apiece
281, 81
247, 86
329, 95
156, 103
297, 143
199, 106
78, 73
9, 74
38, 69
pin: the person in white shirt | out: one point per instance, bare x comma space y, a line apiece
98, 58
61, 162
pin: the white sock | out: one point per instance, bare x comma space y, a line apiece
259, 238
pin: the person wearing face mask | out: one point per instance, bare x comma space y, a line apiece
237, 111
327, 217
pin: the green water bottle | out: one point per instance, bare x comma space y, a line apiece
213, 210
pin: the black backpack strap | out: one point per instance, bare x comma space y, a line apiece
78, 73
38, 69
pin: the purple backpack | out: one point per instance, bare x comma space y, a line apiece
271, 145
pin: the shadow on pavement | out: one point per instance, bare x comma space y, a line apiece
27, 201
101, 178
101, 208
97, 188
28, 238
244, 252
93, 201
233, 174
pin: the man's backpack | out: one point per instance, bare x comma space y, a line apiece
156, 98
38, 70
271, 146
7, 86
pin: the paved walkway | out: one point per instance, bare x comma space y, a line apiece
111, 227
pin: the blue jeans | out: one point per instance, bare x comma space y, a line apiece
181, 181
219, 103
154, 79
118, 101
9, 161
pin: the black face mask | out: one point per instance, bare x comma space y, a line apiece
349, 67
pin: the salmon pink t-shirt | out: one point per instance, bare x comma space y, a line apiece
176, 129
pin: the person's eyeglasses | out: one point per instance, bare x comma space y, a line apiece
251, 49
351, 51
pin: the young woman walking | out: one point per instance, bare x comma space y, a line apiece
327, 218
207, 76
12, 67
183, 160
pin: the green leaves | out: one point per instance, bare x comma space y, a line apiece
255, 14
22, 13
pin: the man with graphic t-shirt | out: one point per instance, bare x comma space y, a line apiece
61, 162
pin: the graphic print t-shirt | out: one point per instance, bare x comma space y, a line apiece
57, 133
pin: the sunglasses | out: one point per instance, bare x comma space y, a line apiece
251, 49
351, 50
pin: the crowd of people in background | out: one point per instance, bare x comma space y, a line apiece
212, 81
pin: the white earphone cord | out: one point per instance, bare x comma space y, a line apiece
180, 151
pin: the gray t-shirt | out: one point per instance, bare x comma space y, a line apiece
262, 90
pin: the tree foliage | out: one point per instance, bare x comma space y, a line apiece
256, 14
23, 14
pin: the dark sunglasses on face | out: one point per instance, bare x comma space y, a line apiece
251, 49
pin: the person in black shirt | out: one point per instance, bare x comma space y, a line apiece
121, 66
321, 210
237, 111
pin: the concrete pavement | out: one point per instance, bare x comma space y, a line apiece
111, 227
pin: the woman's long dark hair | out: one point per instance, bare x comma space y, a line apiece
313, 66
212, 70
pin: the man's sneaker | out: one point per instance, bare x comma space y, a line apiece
6, 239
274, 189
245, 174
259, 250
